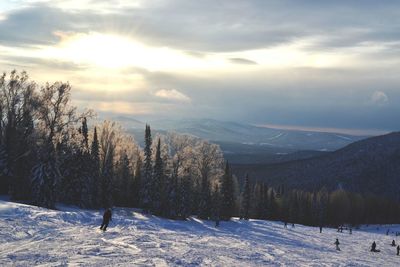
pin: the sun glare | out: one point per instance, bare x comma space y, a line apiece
114, 51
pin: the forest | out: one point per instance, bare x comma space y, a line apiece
51, 152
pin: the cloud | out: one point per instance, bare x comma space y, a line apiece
379, 98
243, 61
172, 94
210, 26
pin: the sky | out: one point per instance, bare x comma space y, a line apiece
300, 63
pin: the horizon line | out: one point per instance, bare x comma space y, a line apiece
348, 131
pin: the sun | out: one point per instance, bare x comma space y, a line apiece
116, 51
104, 50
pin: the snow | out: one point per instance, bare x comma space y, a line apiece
35, 236
277, 136
344, 137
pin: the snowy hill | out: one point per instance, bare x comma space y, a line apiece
34, 236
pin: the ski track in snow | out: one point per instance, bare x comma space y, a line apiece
32, 236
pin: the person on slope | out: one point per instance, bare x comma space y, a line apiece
337, 244
373, 247
106, 219
393, 243
398, 250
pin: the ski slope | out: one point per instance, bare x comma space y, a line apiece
32, 236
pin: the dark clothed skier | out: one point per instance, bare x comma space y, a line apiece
285, 224
351, 231
320, 229
398, 250
373, 247
337, 244
106, 219
393, 243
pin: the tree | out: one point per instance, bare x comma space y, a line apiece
339, 207
185, 195
216, 203
109, 140
95, 167
204, 210
87, 176
125, 181
157, 186
18, 103
54, 118
85, 134
246, 199
137, 182
227, 194
208, 162
147, 171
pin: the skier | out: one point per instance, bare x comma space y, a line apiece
106, 219
351, 231
216, 222
320, 229
398, 250
337, 244
393, 243
285, 225
373, 247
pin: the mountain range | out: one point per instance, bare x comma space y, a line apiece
246, 143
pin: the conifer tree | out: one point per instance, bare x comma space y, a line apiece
227, 194
125, 181
246, 199
87, 176
106, 178
216, 203
147, 172
265, 201
157, 186
85, 133
185, 193
95, 168
204, 211
172, 197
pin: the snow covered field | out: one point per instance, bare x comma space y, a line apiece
32, 236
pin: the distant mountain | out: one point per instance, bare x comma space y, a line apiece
370, 165
240, 133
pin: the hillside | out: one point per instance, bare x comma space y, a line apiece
370, 165
36, 236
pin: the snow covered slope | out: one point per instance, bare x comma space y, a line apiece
31, 236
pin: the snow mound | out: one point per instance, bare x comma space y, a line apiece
32, 236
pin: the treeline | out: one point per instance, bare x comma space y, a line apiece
320, 208
49, 153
